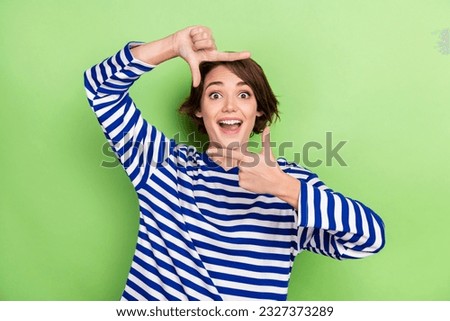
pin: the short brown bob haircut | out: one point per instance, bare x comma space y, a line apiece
253, 75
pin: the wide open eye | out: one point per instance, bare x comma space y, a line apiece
215, 95
244, 95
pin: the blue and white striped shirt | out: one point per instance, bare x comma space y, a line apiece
201, 236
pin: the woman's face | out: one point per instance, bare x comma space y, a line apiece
228, 108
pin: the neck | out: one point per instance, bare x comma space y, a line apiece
224, 162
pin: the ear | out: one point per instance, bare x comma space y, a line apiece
259, 113
198, 114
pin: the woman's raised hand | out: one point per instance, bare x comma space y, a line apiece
195, 45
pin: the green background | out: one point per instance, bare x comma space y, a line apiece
374, 73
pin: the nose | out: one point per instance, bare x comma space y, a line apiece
229, 105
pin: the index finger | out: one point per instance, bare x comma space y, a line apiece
233, 154
195, 72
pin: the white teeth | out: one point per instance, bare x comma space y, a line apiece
230, 122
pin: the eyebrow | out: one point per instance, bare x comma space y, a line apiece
241, 83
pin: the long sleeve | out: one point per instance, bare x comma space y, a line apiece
333, 224
138, 145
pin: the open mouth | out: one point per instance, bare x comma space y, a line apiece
230, 124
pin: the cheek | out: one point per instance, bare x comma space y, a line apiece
204, 109
206, 117
209, 110
252, 109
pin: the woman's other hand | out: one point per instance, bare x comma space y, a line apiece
259, 172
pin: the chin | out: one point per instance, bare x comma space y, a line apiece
230, 141
226, 143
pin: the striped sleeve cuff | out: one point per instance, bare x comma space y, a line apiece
132, 59
303, 208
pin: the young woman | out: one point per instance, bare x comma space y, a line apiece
225, 224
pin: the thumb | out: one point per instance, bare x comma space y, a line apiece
265, 139
266, 147
231, 56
